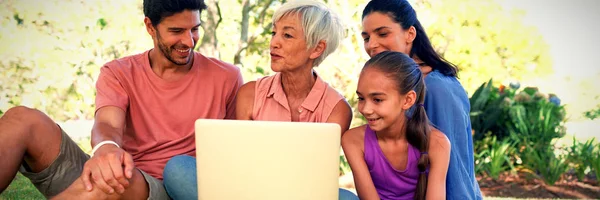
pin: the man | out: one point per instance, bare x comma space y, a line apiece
146, 105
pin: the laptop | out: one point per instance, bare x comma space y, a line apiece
264, 160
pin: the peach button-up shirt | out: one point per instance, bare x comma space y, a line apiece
270, 101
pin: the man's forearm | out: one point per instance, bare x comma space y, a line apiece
104, 131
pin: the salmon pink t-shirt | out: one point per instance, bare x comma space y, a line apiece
270, 101
160, 114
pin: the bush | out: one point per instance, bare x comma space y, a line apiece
493, 157
580, 154
486, 111
506, 110
545, 163
535, 122
525, 120
595, 163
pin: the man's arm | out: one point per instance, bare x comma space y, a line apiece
105, 167
110, 167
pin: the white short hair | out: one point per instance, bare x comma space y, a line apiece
318, 22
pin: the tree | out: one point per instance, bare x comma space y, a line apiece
209, 44
261, 20
50, 60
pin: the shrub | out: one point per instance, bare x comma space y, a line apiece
595, 163
494, 157
545, 163
580, 154
486, 111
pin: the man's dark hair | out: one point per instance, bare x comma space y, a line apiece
157, 10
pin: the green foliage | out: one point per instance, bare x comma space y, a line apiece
594, 161
487, 110
484, 40
593, 114
527, 119
50, 60
344, 165
493, 156
580, 154
21, 188
528, 112
535, 121
549, 166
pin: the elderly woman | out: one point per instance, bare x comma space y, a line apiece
304, 33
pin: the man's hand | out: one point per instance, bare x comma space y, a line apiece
110, 169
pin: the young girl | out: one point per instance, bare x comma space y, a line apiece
392, 25
397, 155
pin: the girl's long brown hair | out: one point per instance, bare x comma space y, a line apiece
408, 77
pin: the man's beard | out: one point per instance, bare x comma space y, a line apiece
167, 52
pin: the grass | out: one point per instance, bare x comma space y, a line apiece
21, 188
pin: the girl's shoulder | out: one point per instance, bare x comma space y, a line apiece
438, 140
354, 137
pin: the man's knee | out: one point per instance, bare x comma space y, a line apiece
178, 168
179, 177
18, 112
179, 164
24, 115
19, 120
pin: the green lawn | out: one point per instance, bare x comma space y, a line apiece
21, 188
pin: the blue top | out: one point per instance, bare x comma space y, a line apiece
447, 106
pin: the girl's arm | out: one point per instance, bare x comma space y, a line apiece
353, 145
341, 115
439, 159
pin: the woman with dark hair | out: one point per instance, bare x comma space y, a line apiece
398, 154
392, 25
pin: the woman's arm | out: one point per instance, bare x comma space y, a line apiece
439, 159
342, 115
245, 101
353, 145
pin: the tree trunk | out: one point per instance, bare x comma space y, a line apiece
245, 40
209, 43
237, 59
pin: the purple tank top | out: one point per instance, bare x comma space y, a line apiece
389, 182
